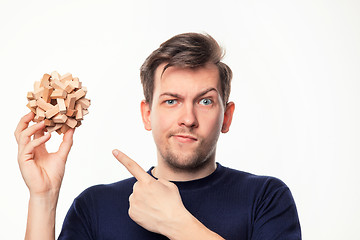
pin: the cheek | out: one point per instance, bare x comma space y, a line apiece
160, 123
212, 124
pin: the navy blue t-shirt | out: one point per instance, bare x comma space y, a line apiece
234, 204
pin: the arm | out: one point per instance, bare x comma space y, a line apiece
189, 227
275, 215
43, 173
156, 205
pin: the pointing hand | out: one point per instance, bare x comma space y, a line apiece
155, 205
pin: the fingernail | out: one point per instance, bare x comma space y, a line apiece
115, 152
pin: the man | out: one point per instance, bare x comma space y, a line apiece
188, 195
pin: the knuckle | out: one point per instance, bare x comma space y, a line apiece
16, 136
149, 181
130, 212
135, 186
131, 200
21, 135
21, 138
172, 186
129, 164
23, 118
31, 144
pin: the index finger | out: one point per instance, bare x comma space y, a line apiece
132, 167
23, 124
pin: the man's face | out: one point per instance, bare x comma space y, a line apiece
186, 115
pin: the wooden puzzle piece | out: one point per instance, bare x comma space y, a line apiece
59, 100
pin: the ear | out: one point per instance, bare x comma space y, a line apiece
228, 114
145, 113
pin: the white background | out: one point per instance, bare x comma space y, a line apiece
296, 87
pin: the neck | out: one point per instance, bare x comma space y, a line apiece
169, 173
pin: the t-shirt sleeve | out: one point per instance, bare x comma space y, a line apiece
276, 216
77, 223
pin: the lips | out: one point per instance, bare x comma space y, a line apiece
184, 138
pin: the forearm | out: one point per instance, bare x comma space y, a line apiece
41, 217
188, 228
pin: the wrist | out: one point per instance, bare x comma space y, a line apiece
41, 216
188, 227
177, 225
46, 199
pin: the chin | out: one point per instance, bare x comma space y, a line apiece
191, 162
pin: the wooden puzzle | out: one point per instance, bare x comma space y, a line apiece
60, 101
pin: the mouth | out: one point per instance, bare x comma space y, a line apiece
185, 138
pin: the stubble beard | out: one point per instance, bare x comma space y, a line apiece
191, 162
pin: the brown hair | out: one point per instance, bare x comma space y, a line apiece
187, 50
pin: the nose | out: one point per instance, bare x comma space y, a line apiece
188, 117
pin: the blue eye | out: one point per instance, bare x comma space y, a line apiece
206, 101
171, 102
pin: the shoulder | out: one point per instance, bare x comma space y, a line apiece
268, 202
259, 185
249, 178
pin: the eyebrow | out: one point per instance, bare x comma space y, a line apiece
197, 96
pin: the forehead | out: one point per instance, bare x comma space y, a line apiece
186, 80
